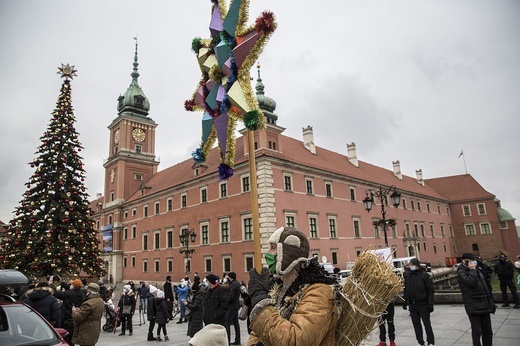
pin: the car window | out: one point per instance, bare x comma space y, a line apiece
19, 325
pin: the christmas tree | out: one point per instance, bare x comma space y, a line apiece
52, 232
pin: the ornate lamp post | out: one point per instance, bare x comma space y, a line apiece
381, 195
185, 236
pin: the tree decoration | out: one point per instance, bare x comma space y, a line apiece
224, 92
41, 239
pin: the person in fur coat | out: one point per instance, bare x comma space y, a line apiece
43, 301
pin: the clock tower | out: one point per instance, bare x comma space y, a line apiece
131, 160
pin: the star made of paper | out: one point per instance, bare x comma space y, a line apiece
224, 93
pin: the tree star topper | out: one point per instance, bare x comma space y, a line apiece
67, 71
224, 92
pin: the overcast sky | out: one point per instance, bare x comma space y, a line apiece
415, 81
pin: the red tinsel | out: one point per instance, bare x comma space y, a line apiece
266, 23
188, 105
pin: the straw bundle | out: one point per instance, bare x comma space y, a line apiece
366, 294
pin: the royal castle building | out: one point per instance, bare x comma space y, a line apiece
143, 211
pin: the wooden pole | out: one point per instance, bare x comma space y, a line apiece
254, 201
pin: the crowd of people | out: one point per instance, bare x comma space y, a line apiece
282, 296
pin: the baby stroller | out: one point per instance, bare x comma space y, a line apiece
111, 318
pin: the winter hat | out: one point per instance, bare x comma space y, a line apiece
212, 278
168, 278
468, 255
160, 294
42, 284
76, 283
292, 248
415, 262
152, 289
233, 275
212, 334
93, 287
127, 288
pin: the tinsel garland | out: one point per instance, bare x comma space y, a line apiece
196, 44
198, 156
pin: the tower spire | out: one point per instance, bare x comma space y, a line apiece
135, 73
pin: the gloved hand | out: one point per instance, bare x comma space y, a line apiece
258, 285
405, 306
430, 308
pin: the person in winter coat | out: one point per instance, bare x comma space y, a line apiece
300, 308
506, 271
126, 310
418, 294
43, 301
151, 311
71, 296
197, 310
215, 302
477, 298
182, 292
142, 292
88, 317
247, 302
168, 296
161, 316
485, 270
233, 307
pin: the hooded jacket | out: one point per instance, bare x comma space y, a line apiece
42, 300
313, 320
215, 306
475, 293
127, 299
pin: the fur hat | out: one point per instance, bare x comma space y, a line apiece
93, 287
212, 334
160, 294
292, 248
76, 283
415, 262
212, 278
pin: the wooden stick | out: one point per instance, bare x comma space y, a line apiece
254, 201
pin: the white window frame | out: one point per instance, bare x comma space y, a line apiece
489, 226
483, 205
467, 227
464, 210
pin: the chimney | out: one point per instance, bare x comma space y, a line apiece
308, 139
419, 175
352, 155
397, 169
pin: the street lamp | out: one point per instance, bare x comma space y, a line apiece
185, 236
381, 195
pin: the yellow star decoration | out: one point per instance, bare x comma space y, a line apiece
224, 92
67, 71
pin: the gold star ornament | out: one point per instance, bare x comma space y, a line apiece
67, 71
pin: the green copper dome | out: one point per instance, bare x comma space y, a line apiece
504, 215
134, 101
266, 104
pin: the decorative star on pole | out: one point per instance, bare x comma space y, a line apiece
67, 71
224, 92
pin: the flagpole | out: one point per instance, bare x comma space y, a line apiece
464, 159
254, 202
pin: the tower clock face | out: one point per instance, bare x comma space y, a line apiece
117, 135
138, 135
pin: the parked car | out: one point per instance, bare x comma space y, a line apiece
19, 323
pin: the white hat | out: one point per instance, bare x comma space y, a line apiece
160, 294
152, 289
212, 334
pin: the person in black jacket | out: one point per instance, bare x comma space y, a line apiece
196, 306
418, 294
71, 296
233, 307
43, 301
506, 271
486, 271
126, 310
151, 311
168, 296
215, 303
477, 298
